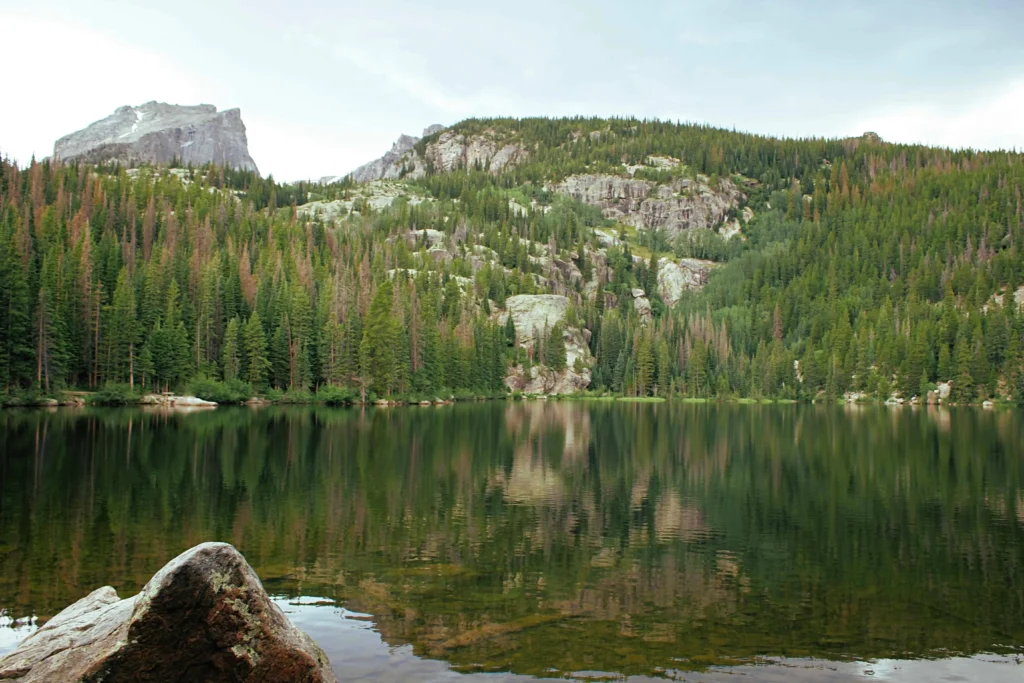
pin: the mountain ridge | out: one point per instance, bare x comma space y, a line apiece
156, 132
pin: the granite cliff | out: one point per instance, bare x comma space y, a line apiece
159, 133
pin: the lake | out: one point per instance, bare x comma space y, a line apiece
545, 539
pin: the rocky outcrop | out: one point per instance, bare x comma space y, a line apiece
159, 133
543, 380
642, 305
172, 401
374, 195
533, 315
684, 275
451, 150
940, 394
203, 617
391, 165
682, 204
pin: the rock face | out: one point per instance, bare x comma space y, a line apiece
451, 150
159, 133
676, 277
389, 166
532, 315
683, 204
203, 617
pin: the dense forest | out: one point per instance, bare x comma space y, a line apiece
867, 267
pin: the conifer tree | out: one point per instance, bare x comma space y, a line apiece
377, 350
229, 352
255, 342
555, 351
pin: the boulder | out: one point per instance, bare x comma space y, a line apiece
203, 617
642, 306
172, 401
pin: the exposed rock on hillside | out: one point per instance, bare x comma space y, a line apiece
389, 166
532, 315
158, 133
203, 617
676, 277
680, 205
642, 305
377, 195
451, 150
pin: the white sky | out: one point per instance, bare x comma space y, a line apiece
325, 86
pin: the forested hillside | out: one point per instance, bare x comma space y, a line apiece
829, 266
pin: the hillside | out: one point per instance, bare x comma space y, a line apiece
538, 255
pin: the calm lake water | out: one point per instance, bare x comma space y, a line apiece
508, 540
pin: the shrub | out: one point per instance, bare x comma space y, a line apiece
232, 391
297, 396
111, 394
335, 396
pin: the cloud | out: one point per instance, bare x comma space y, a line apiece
399, 69
77, 76
991, 122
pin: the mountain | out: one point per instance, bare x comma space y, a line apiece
160, 133
535, 255
388, 166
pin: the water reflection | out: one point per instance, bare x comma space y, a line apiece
541, 538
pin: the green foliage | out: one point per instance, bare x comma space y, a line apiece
335, 396
113, 394
229, 391
873, 267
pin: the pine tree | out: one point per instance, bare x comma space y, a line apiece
16, 352
123, 330
644, 365
555, 351
377, 350
255, 342
229, 351
963, 387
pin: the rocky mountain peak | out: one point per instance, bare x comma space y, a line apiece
157, 132
389, 166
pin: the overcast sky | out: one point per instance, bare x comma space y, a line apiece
325, 86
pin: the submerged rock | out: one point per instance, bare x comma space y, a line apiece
203, 617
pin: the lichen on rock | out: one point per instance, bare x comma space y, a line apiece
204, 616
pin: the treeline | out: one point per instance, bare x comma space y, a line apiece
868, 268
867, 286
155, 281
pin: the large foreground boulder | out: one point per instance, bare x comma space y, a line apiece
203, 617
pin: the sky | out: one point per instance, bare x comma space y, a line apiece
325, 86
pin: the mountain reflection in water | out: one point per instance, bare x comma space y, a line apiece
545, 538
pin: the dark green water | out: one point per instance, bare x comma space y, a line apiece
547, 538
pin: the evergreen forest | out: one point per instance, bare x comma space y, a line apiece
864, 269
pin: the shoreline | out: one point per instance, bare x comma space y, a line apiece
79, 399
